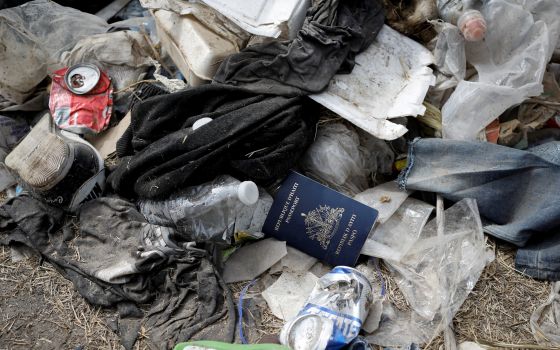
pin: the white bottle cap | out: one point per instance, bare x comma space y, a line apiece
201, 122
248, 192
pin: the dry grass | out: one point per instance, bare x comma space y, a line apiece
496, 313
42, 309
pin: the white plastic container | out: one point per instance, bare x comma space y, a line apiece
195, 49
271, 18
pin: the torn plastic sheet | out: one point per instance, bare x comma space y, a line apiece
288, 294
392, 239
511, 62
390, 80
435, 275
271, 18
449, 55
338, 159
385, 198
545, 320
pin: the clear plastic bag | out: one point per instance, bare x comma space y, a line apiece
436, 275
545, 320
511, 62
338, 159
449, 55
392, 239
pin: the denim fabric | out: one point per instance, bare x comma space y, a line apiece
518, 191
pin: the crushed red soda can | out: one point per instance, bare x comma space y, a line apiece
81, 99
333, 314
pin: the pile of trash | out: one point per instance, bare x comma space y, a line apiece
293, 144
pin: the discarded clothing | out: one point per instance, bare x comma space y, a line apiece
332, 34
514, 189
102, 266
119, 259
252, 137
34, 36
192, 300
123, 55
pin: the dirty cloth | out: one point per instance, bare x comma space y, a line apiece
332, 34
191, 301
34, 36
123, 55
101, 276
514, 189
252, 137
119, 259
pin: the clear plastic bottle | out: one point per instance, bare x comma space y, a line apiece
463, 14
209, 212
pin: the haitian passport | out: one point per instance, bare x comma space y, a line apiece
319, 221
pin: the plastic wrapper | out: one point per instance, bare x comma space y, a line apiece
510, 62
436, 275
392, 239
208, 212
385, 198
34, 36
449, 55
545, 320
338, 160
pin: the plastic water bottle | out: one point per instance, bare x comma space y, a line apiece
463, 14
206, 213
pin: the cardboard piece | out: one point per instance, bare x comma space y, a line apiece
106, 142
288, 294
251, 260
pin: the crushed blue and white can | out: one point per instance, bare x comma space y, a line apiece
336, 308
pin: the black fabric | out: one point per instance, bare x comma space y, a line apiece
251, 137
333, 33
191, 302
108, 246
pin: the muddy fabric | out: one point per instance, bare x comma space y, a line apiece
332, 34
102, 262
192, 301
115, 261
251, 137
34, 36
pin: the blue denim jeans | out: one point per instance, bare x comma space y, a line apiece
517, 191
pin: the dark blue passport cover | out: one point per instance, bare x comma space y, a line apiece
319, 221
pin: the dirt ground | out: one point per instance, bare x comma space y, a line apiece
41, 310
